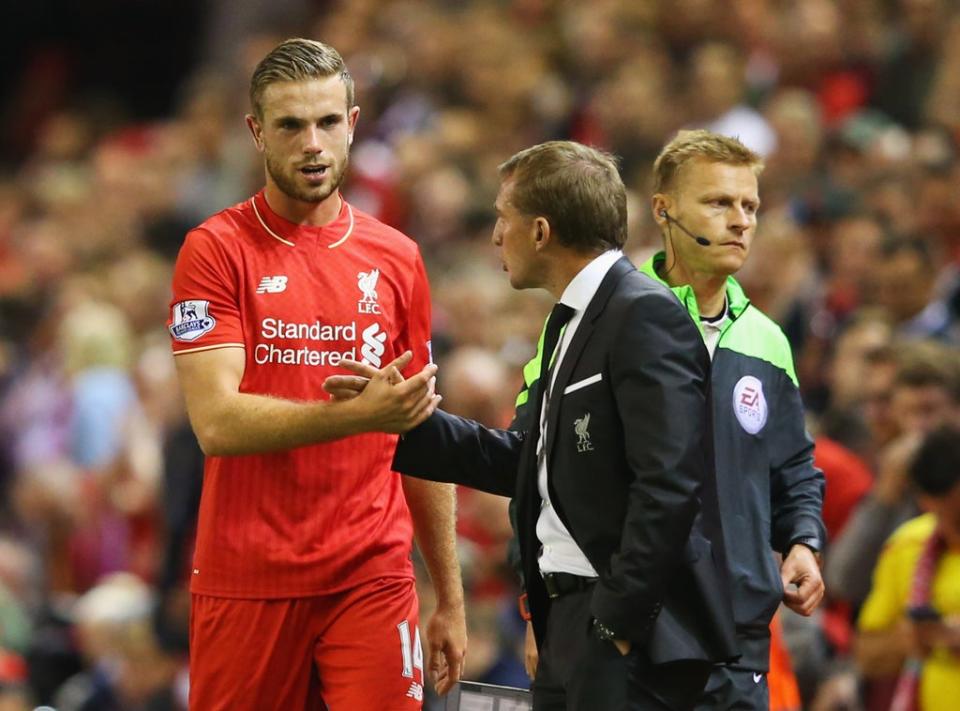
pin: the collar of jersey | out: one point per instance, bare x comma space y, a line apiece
275, 227
737, 300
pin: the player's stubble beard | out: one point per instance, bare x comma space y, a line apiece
288, 185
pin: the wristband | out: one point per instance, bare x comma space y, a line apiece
524, 607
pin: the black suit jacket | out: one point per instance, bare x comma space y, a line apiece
630, 471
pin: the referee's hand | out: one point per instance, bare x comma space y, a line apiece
802, 582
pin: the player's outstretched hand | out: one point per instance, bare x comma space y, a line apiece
800, 569
345, 387
390, 403
446, 646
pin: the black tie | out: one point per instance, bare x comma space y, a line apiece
559, 317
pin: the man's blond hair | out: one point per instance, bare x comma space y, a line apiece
700, 144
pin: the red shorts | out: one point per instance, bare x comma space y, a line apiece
353, 651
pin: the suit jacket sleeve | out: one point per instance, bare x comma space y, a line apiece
660, 378
796, 485
522, 422
456, 450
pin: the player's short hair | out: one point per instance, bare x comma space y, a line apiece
700, 144
935, 468
298, 59
576, 188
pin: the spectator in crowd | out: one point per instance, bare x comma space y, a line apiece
905, 289
863, 337
718, 85
128, 670
924, 394
909, 627
14, 694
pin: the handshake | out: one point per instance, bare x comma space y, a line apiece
381, 399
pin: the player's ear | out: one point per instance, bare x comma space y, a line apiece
256, 131
352, 116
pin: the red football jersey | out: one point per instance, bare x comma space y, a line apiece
298, 299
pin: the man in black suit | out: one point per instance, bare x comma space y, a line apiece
619, 528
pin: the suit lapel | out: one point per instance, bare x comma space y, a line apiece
584, 330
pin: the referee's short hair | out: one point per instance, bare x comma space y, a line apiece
298, 59
700, 144
576, 188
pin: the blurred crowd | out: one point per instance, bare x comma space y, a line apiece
855, 105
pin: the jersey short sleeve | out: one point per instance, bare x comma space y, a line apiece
415, 336
204, 310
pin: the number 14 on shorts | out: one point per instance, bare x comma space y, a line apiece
412, 653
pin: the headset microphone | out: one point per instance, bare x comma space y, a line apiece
700, 239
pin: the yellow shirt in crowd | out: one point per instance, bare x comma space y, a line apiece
887, 605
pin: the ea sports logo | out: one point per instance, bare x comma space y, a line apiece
749, 404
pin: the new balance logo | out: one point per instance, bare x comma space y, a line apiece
272, 285
415, 692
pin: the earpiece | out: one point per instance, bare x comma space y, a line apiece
699, 239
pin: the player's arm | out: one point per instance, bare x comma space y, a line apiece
229, 422
433, 509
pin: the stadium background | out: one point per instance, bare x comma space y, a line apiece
121, 126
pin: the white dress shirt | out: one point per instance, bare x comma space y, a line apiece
712, 328
559, 553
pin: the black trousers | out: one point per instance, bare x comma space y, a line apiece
579, 672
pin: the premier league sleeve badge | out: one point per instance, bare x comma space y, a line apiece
191, 319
